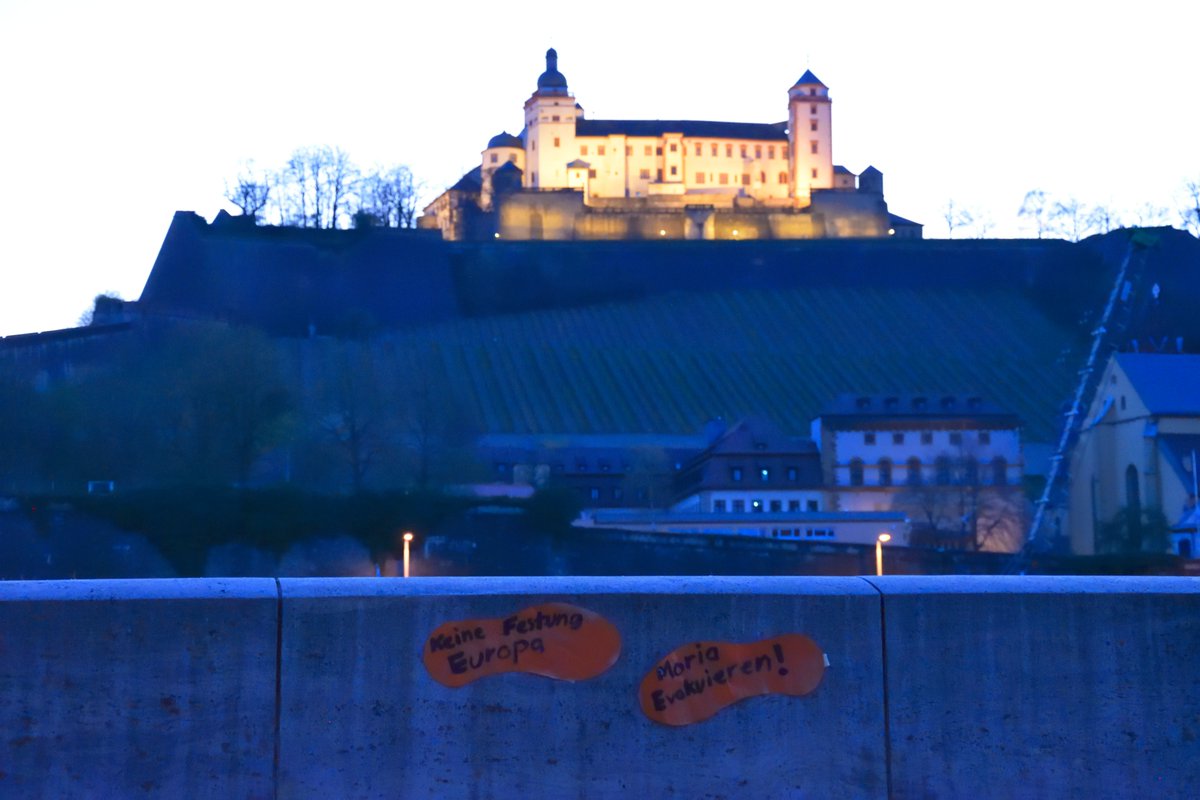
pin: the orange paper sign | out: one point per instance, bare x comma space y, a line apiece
695, 681
556, 640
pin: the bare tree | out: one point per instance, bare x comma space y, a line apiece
1149, 215
1070, 218
1033, 208
1102, 220
1190, 213
956, 217
390, 197
250, 192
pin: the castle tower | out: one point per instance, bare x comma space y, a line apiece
550, 114
810, 137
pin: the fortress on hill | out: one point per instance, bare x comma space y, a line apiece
567, 177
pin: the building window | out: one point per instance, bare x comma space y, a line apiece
913, 470
815, 173
999, 471
618, 493
813, 505
1133, 494
628, 150
783, 178
812, 124
955, 438
743, 151
771, 151
856, 472
813, 146
674, 170
739, 505
784, 150
791, 474
699, 148
644, 174
556, 141
658, 175
713, 149
512, 159
756, 506
495, 157
745, 179
812, 109
649, 150
985, 437
764, 474
723, 178
885, 472
793, 505
583, 149
897, 438
658, 151
971, 472
758, 151
674, 147
699, 177
729, 151
762, 177
776, 506
600, 150
591, 173
926, 437
594, 493
941, 470
719, 506
735, 473
868, 438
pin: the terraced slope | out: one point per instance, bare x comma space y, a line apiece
667, 364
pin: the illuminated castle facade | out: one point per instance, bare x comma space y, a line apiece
569, 177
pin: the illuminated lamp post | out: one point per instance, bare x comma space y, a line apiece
879, 541
408, 537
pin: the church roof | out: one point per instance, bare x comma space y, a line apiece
505, 139
690, 128
1168, 383
808, 79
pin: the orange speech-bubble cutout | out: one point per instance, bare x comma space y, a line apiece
695, 681
557, 640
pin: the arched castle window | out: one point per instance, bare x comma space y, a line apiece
885, 472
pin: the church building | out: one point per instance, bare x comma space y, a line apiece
566, 176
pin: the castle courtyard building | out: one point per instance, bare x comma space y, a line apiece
566, 176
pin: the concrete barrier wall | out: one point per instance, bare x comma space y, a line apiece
936, 688
1043, 687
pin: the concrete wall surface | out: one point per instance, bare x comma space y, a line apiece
362, 717
138, 688
1042, 687
936, 688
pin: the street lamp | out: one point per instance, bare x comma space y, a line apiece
883, 537
408, 537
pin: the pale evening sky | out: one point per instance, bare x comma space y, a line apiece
114, 115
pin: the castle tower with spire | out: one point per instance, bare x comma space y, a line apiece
549, 129
810, 134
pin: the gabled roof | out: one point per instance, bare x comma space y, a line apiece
772, 131
578, 163
1166, 383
